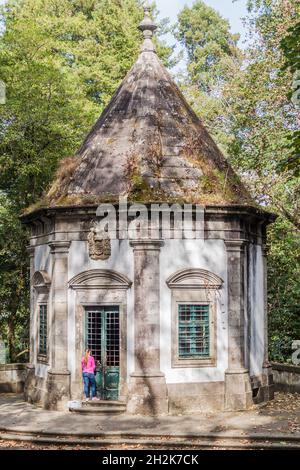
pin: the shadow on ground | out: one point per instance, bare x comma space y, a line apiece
282, 416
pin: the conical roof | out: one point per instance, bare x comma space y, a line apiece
148, 144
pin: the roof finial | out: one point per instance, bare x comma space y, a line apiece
147, 26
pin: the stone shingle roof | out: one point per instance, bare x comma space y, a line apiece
148, 144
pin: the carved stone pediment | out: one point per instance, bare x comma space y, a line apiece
100, 279
194, 278
41, 280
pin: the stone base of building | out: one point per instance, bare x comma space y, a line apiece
52, 393
35, 389
58, 390
263, 386
148, 394
238, 390
196, 397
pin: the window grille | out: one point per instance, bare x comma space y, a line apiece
112, 338
193, 331
43, 331
94, 333
103, 335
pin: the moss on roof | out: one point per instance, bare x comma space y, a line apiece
149, 145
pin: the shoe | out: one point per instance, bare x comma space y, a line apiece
95, 399
86, 399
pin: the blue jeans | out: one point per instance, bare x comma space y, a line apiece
89, 383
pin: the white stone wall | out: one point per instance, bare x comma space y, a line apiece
181, 254
41, 370
175, 255
43, 259
256, 283
121, 260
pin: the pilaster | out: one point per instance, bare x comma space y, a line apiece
58, 380
238, 392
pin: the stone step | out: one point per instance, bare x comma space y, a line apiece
101, 407
104, 403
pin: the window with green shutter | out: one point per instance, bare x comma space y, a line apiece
193, 331
43, 330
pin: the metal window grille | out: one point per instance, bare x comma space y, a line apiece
43, 330
193, 331
94, 333
103, 335
112, 338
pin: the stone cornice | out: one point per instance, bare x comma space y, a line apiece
219, 211
58, 246
146, 245
235, 245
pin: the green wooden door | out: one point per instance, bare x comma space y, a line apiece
103, 338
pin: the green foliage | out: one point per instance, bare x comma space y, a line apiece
213, 58
253, 119
290, 45
61, 61
284, 289
210, 47
264, 121
263, 114
264, 125
14, 282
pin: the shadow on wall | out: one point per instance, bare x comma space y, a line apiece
255, 306
209, 255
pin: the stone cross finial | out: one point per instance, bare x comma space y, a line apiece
147, 26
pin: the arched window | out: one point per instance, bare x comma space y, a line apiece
41, 283
194, 298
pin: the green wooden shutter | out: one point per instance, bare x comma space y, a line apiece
193, 331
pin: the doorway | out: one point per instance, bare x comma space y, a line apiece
102, 337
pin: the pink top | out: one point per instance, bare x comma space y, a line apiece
90, 367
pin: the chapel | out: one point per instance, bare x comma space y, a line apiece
177, 323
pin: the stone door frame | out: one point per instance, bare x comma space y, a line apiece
97, 288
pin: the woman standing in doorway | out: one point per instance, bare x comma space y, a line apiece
88, 373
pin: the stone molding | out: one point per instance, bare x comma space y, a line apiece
59, 372
14, 366
41, 279
285, 367
100, 279
198, 297
194, 278
30, 250
59, 247
41, 282
146, 374
235, 245
146, 245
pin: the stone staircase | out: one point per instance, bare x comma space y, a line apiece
100, 407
